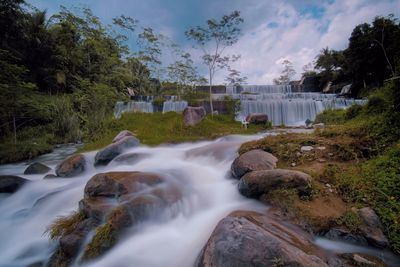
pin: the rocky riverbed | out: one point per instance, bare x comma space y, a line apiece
192, 204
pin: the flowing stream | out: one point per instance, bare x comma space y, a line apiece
202, 168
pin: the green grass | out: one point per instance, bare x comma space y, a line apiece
157, 128
24, 150
376, 183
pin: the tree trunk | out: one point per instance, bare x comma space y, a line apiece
211, 100
14, 131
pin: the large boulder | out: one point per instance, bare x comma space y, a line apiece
257, 183
257, 118
372, 228
112, 202
193, 115
254, 160
37, 168
104, 156
11, 183
72, 166
121, 135
246, 238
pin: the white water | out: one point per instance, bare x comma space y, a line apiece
208, 195
177, 106
282, 106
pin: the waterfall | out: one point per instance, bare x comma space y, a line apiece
133, 106
284, 107
177, 106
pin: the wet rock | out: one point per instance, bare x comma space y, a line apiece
193, 115
118, 200
257, 118
257, 183
246, 238
319, 125
130, 158
104, 156
253, 160
220, 150
306, 149
121, 135
37, 168
338, 234
11, 183
105, 192
372, 228
50, 176
72, 166
358, 259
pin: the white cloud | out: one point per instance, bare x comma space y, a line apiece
299, 37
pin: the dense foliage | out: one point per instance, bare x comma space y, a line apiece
370, 58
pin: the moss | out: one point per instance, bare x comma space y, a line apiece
282, 198
104, 238
350, 220
65, 225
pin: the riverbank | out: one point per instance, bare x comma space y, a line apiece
353, 166
158, 128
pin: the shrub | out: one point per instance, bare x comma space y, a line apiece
353, 111
331, 116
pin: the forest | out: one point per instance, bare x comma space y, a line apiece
62, 74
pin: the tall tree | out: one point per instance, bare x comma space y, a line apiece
213, 39
287, 73
235, 77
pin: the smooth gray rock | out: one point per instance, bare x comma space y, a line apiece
37, 168
254, 160
104, 156
11, 183
246, 238
257, 183
193, 115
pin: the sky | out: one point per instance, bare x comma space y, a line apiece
273, 30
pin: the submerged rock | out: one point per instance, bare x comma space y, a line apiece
193, 115
338, 234
257, 118
254, 160
72, 166
257, 183
11, 183
130, 158
104, 156
121, 135
246, 238
37, 168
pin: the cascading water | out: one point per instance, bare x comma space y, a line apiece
176, 106
208, 196
133, 106
285, 107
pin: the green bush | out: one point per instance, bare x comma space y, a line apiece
353, 111
331, 116
232, 106
66, 124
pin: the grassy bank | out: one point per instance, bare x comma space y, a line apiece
357, 155
158, 128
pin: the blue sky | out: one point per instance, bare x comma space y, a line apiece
274, 30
